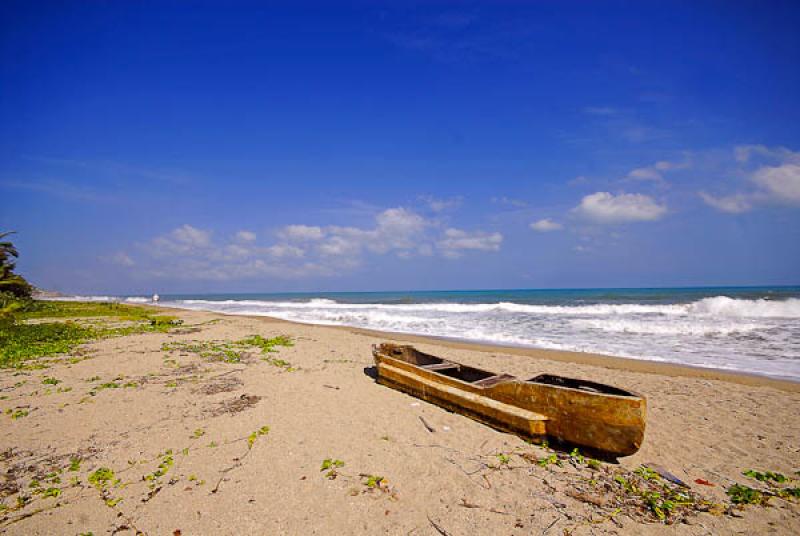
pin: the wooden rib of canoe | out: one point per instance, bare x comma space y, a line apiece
604, 419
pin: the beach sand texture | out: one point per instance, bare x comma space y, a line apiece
200, 421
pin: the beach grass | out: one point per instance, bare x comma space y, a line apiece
74, 309
49, 328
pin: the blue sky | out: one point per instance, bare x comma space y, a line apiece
247, 146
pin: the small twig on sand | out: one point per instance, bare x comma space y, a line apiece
439, 529
437, 447
550, 526
237, 463
236, 371
466, 504
427, 426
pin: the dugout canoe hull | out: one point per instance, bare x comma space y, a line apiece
585, 414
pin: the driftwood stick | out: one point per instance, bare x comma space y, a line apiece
550, 526
439, 529
427, 426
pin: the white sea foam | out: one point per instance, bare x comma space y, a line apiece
671, 327
137, 299
725, 306
718, 305
82, 298
752, 335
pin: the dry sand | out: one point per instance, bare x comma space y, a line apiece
701, 425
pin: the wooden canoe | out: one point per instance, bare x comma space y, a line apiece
589, 415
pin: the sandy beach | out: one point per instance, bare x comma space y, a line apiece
186, 443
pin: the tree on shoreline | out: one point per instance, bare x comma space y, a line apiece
14, 289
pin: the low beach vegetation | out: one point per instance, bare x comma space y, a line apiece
773, 484
740, 494
101, 477
234, 351
766, 476
40, 329
32, 329
331, 467
251, 439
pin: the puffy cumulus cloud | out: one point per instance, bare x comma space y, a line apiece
545, 226
396, 230
184, 240
191, 253
606, 208
781, 183
456, 241
773, 178
191, 236
246, 236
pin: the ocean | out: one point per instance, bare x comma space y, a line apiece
746, 329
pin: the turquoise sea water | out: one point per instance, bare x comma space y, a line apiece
747, 329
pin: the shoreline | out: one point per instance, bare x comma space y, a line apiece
673, 370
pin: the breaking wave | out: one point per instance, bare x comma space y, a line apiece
751, 335
714, 306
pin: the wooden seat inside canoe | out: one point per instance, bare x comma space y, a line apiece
494, 380
440, 366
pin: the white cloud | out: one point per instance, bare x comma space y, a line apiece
546, 225
655, 172
455, 241
191, 236
190, 253
235, 251
184, 240
285, 251
732, 204
503, 200
120, 258
746, 153
341, 245
604, 207
396, 230
645, 174
301, 232
246, 236
399, 224
440, 205
663, 165
782, 183
773, 175
578, 181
